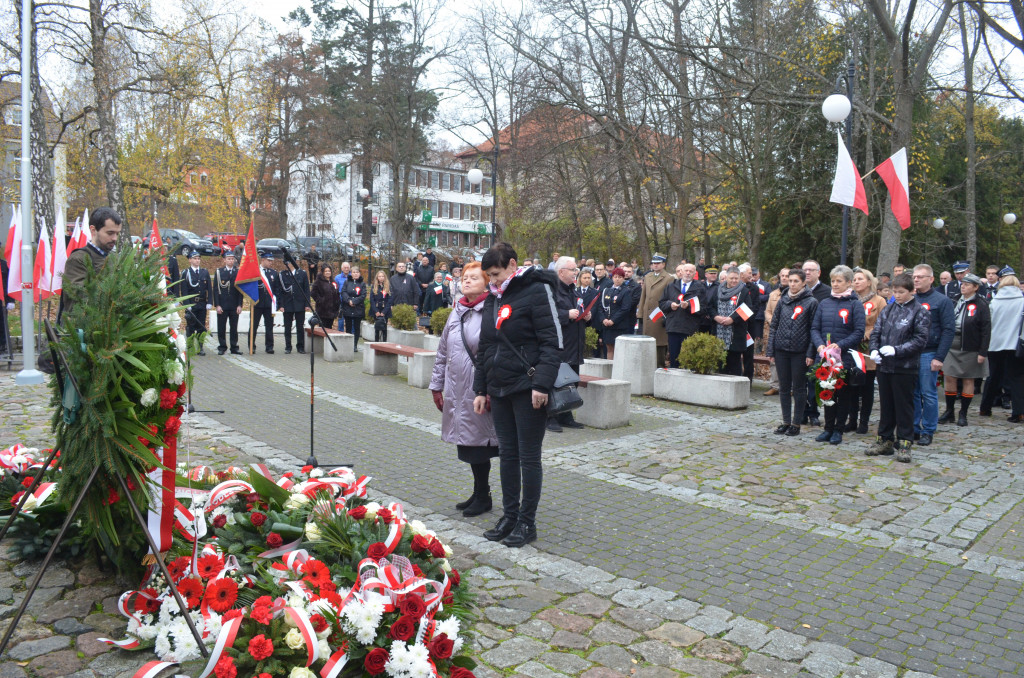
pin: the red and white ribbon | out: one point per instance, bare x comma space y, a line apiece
308, 633
225, 491
334, 665
161, 501
225, 639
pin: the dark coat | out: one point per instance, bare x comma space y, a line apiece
821, 291
325, 295
755, 302
574, 332
976, 325
791, 331
434, 297
274, 278
711, 296
353, 298
951, 289
617, 305
380, 303
424, 276
196, 285
225, 294
681, 320
404, 290
588, 295
904, 327
739, 325
942, 326
841, 322
603, 284
295, 293
75, 272
533, 331
173, 276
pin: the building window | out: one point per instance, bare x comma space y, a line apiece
476, 213
192, 179
310, 230
376, 169
446, 182
436, 209
203, 179
476, 189
486, 214
412, 177
487, 186
456, 210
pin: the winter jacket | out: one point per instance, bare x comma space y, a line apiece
1005, 311
821, 291
975, 324
905, 327
872, 308
435, 297
681, 320
325, 296
791, 328
404, 290
942, 327
839, 321
453, 375
424, 276
650, 298
296, 289
353, 298
739, 325
574, 332
532, 331
380, 302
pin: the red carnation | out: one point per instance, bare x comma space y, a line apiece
220, 521
413, 606
358, 512
27, 481
221, 594
17, 497
328, 587
436, 549
377, 551
441, 647
455, 577
306, 469
375, 661
261, 609
112, 497
192, 590
402, 628
172, 425
825, 395
231, 614
823, 373
178, 410
146, 603
260, 647
319, 623
839, 384
384, 515
420, 543
225, 667
264, 675
257, 518
168, 398
459, 672
177, 567
210, 565
274, 540
181, 388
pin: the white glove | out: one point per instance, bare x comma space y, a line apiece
209, 306
887, 351
10, 305
876, 356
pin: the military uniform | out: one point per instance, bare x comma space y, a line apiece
196, 285
296, 292
264, 309
228, 300
650, 295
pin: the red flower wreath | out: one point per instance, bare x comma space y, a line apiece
261, 647
221, 594
192, 590
316, 573
210, 565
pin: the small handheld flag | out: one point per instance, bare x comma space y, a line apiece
750, 340
859, 360
437, 290
744, 312
657, 314
694, 305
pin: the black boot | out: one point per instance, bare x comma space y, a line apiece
522, 535
502, 529
481, 504
965, 404
950, 413
464, 504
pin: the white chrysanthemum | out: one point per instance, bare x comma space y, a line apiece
181, 343
296, 501
316, 473
213, 625
168, 611
146, 632
162, 646
371, 510
449, 627
185, 646
293, 639
417, 527
174, 371
149, 397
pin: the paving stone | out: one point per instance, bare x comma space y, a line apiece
570, 640
64, 608
536, 670
586, 603
565, 620
638, 620
59, 577
565, 662
506, 616
610, 632
785, 645
824, 666
524, 604
88, 644
90, 574
535, 628
491, 631
676, 634
602, 672
55, 664
612, 656
717, 650
709, 625
6, 594
29, 630
560, 585
655, 672
639, 597
11, 670
84, 673
512, 652
663, 655
675, 610
36, 648
769, 667
748, 633
838, 652
70, 626
869, 667
114, 664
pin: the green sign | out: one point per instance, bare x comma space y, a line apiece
432, 241
427, 216
340, 171
481, 228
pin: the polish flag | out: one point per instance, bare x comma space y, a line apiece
859, 360
847, 187
76, 233
744, 312
694, 305
84, 234
750, 340
60, 256
657, 314
12, 252
894, 173
41, 274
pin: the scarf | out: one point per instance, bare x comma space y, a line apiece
845, 295
867, 297
470, 303
725, 307
497, 290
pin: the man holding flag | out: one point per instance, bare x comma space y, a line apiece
653, 287
684, 304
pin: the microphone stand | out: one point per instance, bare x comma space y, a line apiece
313, 321
190, 408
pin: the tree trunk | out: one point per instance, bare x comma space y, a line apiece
889, 248
42, 172
970, 189
106, 144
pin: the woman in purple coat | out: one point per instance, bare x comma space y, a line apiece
452, 387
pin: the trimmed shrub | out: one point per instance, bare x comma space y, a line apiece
438, 320
702, 354
591, 340
403, 317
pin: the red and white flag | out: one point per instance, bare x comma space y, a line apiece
41, 274
12, 252
60, 255
894, 173
76, 233
694, 305
847, 187
859, 360
750, 340
657, 314
744, 312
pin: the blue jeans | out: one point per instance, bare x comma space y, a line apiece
926, 397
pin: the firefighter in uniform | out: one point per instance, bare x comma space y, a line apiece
195, 284
228, 302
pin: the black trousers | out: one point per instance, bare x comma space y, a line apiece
675, 340
195, 320
896, 405
792, 368
748, 362
520, 430
267, 317
1012, 369
837, 414
299, 318
380, 329
811, 411
223, 321
353, 327
863, 399
733, 364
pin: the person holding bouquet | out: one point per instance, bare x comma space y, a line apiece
838, 327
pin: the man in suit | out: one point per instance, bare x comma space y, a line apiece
264, 309
195, 284
681, 321
6, 302
991, 282
295, 284
228, 301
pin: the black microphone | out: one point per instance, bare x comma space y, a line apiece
288, 258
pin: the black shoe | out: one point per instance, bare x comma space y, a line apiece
925, 439
301, 350
554, 426
270, 351
572, 423
815, 421
824, 437
201, 353
917, 436
862, 428
221, 351
984, 413
962, 419
501, 529
947, 417
793, 431
479, 505
850, 427
522, 535
805, 421
1007, 403
287, 351
463, 504
235, 351
781, 429
1015, 419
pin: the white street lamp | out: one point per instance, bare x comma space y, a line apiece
938, 224
1009, 218
475, 176
836, 107
364, 194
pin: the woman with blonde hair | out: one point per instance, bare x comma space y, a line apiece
865, 286
380, 305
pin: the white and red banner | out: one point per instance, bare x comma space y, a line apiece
847, 187
60, 255
694, 305
744, 312
859, 360
894, 173
41, 274
12, 253
657, 314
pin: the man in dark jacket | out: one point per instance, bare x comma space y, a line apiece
570, 307
295, 284
818, 290
940, 338
195, 283
404, 289
105, 225
755, 327
266, 305
431, 257
602, 280
228, 302
710, 282
684, 303
424, 277
7, 303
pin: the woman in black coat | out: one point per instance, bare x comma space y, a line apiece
618, 312
380, 305
731, 311
324, 294
516, 365
790, 348
353, 304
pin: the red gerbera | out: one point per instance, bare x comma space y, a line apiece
261, 647
822, 372
145, 603
316, 573
221, 594
225, 667
839, 384
274, 540
210, 565
306, 469
192, 590
825, 395
177, 567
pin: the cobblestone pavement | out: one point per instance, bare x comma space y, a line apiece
691, 543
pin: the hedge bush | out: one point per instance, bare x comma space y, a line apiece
702, 354
438, 320
403, 317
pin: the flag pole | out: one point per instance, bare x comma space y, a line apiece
28, 374
251, 310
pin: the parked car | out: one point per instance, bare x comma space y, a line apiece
278, 245
179, 241
225, 241
328, 248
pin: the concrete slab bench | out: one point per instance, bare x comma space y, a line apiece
709, 390
605, 402
343, 351
382, 358
596, 367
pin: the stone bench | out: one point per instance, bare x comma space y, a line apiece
596, 367
382, 358
605, 402
343, 351
709, 390
762, 360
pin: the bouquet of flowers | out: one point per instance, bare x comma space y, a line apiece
829, 375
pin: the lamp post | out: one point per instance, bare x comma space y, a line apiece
837, 108
476, 178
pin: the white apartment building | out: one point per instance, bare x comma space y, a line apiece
324, 201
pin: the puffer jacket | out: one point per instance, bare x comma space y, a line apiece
791, 330
840, 321
905, 327
453, 375
531, 328
1005, 312
975, 324
354, 291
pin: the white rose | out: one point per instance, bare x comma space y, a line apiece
301, 672
325, 649
445, 566
316, 473
371, 510
296, 501
293, 639
447, 551
312, 532
31, 504
149, 397
296, 601
417, 527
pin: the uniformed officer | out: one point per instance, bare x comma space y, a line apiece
952, 288
707, 325
195, 284
228, 301
295, 284
264, 310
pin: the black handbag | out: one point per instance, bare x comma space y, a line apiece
565, 395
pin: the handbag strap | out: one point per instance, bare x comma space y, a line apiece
462, 333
